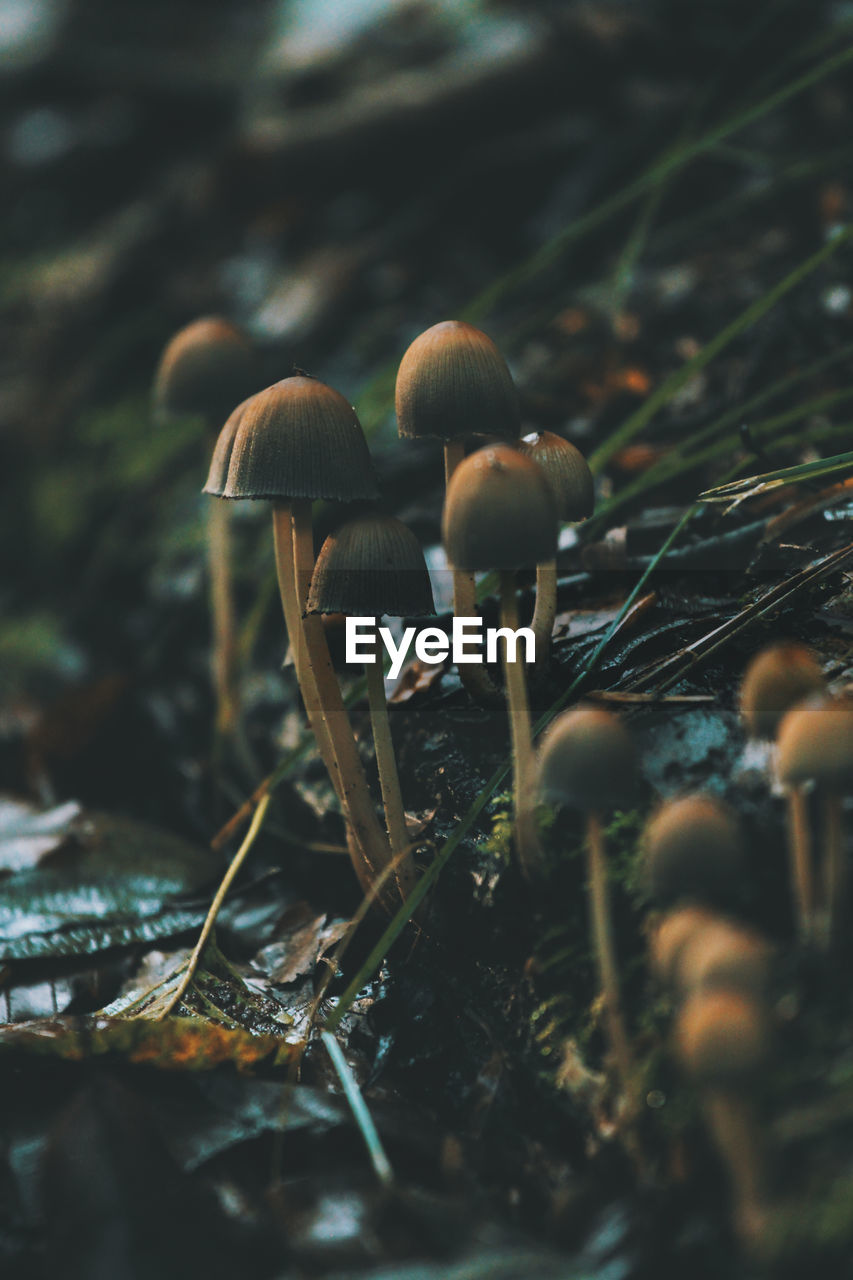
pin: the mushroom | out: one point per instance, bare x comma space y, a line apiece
777, 679
671, 934
815, 744
369, 567
500, 514
723, 1042
588, 761
291, 443
453, 383
205, 370
570, 478
724, 954
693, 850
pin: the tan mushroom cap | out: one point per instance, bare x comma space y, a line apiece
722, 1038
777, 679
588, 761
566, 470
453, 382
724, 954
815, 743
296, 439
671, 934
499, 512
371, 566
206, 368
693, 850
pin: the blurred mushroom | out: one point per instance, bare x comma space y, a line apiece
454, 383
588, 761
500, 514
571, 480
206, 369
369, 567
815, 744
693, 851
723, 1043
776, 679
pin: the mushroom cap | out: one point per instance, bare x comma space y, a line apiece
672, 934
776, 679
693, 850
722, 1037
566, 470
370, 566
206, 368
499, 512
588, 760
296, 439
724, 954
453, 382
815, 742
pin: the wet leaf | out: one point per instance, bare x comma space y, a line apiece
175, 1044
112, 882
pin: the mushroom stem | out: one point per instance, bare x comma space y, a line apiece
731, 1120
545, 609
834, 869
389, 778
474, 675
224, 657
800, 845
373, 848
602, 933
520, 731
284, 562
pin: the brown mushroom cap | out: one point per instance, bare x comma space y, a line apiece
776, 679
566, 470
453, 382
588, 760
722, 1038
672, 934
499, 512
724, 954
693, 850
296, 439
206, 368
816, 744
371, 566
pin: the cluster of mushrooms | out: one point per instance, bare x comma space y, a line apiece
299, 441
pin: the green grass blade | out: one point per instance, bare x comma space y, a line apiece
837, 464
364, 1120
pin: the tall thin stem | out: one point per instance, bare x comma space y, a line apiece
545, 609
834, 866
282, 519
224, 656
602, 932
389, 778
373, 851
474, 675
731, 1120
800, 850
520, 730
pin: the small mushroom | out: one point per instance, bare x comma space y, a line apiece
815, 745
693, 850
727, 955
671, 934
778, 678
291, 443
206, 369
571, 480
588, 761
454, 383
723, 1043
369, 567
500, 514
